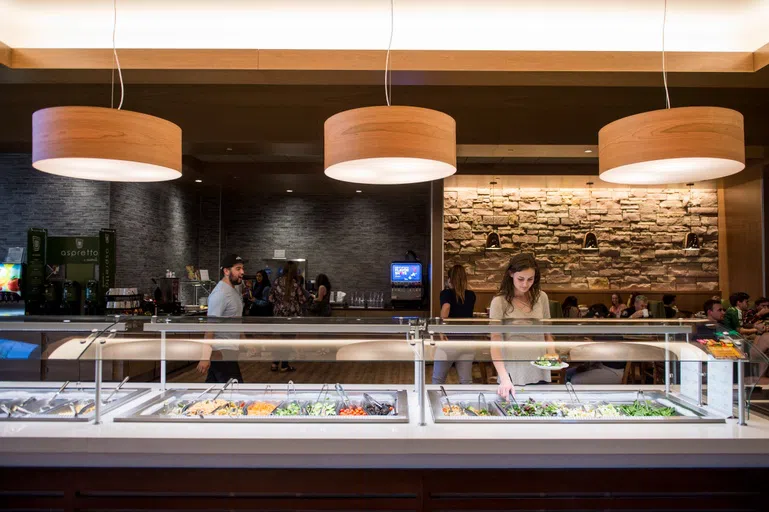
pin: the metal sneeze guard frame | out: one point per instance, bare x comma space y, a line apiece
416, 333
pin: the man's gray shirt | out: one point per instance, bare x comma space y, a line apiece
225, 302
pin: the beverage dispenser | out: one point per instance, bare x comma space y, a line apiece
407, 290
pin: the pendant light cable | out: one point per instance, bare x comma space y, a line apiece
388, 91
115, 60
664, 68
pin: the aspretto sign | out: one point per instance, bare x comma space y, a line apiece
72, 249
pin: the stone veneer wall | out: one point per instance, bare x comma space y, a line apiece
640, 234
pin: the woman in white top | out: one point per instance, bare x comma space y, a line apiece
519, 297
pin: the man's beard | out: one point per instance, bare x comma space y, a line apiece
236, 280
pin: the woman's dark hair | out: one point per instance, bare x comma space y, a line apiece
519, 263
569, 302
619, 297
289, 279
598, 311
322, 280
265, 278
668, 299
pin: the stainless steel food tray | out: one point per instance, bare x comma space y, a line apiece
157, 409
686, 413
36, 401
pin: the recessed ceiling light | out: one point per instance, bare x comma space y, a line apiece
289, 190
588, 151
229, 149
198, 181
358, 191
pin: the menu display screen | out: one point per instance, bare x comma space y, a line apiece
406, 272
10, 278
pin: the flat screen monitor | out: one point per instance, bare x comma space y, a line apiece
409, 272
10, 278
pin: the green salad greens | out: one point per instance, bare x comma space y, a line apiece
322, 409
290, 409
639, 408
533, 408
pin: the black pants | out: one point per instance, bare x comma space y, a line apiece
222, 371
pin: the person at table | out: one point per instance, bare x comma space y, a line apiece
639, 309
736, 316
570, 307
715, 315
456, 302
617, 306
759, 312
520, 298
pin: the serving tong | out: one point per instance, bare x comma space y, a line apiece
446, 396
323, 393
48, 402
197, 398
511, 395
343, 395
231, 382
122, 383
289, 388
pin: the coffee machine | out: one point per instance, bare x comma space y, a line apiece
70, 298
92, 298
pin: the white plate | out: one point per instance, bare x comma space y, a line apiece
559, 367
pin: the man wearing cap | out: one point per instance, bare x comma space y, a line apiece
220, 360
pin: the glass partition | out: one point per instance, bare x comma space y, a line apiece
34, 386
560, 369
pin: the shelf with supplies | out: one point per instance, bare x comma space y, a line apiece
122, 300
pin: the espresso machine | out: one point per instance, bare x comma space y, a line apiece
92, 306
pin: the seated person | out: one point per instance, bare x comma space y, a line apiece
671, 310
599, 311
715, 313
736, 316
570, 307
639, 309
760, 311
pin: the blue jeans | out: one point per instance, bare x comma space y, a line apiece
444, 359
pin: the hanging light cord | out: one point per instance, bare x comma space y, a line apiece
664, 69
114, 61
388, 90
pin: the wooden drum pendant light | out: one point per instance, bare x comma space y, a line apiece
105, 144
390, 145
673, 145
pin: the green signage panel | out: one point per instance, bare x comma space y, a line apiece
72, 249
34, 281
107, 259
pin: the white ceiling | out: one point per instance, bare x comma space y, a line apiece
609, 25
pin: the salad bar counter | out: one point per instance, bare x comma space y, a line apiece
52, 404
308, 405
565, 407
